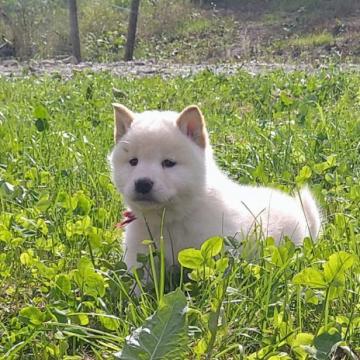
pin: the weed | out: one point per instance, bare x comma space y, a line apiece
312, 40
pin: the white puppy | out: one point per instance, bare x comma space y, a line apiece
163, 160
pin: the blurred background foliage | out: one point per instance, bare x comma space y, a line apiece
183, 30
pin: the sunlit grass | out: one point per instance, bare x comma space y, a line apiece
312, 40
64, 290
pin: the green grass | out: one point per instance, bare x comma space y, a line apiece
312, 40
64, 291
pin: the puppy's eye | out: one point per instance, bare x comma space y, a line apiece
168, 163
133, 161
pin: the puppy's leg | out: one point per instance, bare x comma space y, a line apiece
136, 233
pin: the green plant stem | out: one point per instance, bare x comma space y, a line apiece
154, 273
299, 307
91, 253
324, 312
210, 347
162, 259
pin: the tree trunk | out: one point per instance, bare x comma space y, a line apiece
130, 41
15, 42
74, 31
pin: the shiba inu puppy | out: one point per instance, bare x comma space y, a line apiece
163, 160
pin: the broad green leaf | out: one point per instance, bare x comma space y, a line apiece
5, 235
222, 264
42, 226
109, 322
64, 200
279, 255
201, 347
202, 273
285, 98
211, 247
95, 237
311, 297
26, 258
325, 343
40, 112
331, 160
44, 202
46, 271
302, 339
260, 173
83, 205
63, 283
83, 319
163, 336
260, 354
41, 125
335, 267
89, 281
321, 167
304, 174
310, 277
94, 285
300, 343
337, 288
190, 258
85, 265
33, 315
81, 227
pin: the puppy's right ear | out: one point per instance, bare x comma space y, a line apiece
192, 124
123, 119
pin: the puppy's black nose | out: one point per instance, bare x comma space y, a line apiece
143, 185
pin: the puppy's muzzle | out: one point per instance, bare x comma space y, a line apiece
143, 186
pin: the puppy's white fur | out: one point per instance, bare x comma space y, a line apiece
199, 200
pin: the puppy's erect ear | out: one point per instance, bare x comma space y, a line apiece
123, 119
191, 122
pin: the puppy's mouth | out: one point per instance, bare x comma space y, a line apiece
145, 200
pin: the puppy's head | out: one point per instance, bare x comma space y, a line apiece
159, 158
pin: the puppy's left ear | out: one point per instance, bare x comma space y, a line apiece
192, 124
123, 119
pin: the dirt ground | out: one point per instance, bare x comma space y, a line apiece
12, 68
299, 32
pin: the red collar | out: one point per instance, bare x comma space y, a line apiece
128, 217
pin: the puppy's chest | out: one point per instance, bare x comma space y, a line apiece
190, 233
182, 235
